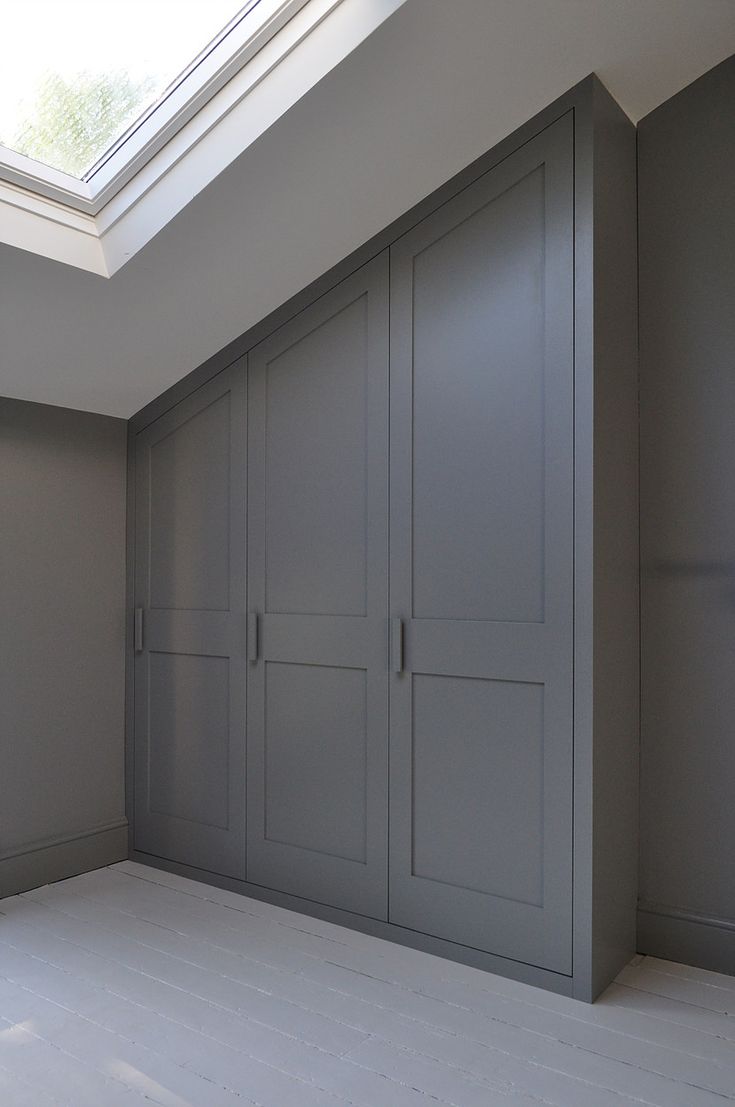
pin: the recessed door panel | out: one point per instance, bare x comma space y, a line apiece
315, 469
317, 563
315, 759
478, 412
188, 752
190, 665
189, 486
483, 741
481, 561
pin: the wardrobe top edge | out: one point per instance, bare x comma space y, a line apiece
590, 103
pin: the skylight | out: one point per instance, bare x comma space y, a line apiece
115, 114
77, 75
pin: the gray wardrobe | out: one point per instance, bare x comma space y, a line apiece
384, 601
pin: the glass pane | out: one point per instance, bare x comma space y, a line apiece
76, 74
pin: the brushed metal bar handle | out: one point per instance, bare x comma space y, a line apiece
253, 636
396, 645
138, 635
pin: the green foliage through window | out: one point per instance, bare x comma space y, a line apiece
73, 122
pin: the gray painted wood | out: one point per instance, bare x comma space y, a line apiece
687, 290
605, 586
62, 856
606, 624
481, 561
317, 557
190, 585
702, 940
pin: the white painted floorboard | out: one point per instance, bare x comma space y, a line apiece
130, 986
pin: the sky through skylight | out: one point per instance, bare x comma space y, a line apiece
75, 74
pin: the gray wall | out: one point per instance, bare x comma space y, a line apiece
687, 342
433, 88
62, 549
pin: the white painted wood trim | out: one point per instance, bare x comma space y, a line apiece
210, 74
43, 180
99, 226
129, 982
33, 222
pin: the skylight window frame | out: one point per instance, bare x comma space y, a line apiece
291, 48
24, 172
250, 29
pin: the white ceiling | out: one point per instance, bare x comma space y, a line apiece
435, 86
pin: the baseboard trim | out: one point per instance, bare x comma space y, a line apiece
44, 862
675, 934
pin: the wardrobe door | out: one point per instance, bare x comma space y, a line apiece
481, 562
190, 648
317, 686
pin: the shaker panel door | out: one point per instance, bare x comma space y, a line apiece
317, 721
190, 660
481, 561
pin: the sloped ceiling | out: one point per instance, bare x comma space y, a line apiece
435, 86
